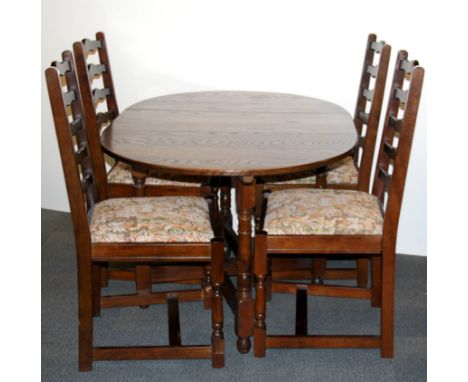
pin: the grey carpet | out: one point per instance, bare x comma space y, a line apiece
135, 326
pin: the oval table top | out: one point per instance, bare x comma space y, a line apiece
231, 133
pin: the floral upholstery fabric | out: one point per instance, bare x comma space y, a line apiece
121, 173
342, 172
155, 219
323, 212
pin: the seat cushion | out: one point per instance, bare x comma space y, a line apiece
152, 219
121, 173
341, 172
323, 212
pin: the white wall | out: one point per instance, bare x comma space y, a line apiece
159, 47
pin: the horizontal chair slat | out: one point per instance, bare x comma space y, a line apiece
322, 341
90, 45
96, 70
386, 177
301, 274
150, 299
395, 122
62, 67
163, 252
377, 46
151, 352
99, 94
69, 97
75, 125
364, 117
372, 70
324, 244
368, 94
390, 150
401, 94
408, 66
323, 290
105, 117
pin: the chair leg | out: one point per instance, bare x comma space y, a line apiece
388, 303
269, 282
376, 282
362, 267
260, 270
217, 279
105, 275
259, 188
207, 289
143, 280
97, 272
319, 268
85, 314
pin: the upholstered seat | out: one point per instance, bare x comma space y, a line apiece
152, 219
323, 212
342, 172
121, 173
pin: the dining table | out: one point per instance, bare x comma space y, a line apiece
241, 135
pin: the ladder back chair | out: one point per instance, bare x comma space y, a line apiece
351, 173
329, 222
171, 229
121, 180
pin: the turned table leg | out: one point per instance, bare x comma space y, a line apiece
245, 205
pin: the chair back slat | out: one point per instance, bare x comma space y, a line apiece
105, 118
377, 46
73, 144
69, 97
76, 125
394, 154
91, 45
95, 70
62, 67
368, 94
402, 95
373, 70
364, 117
369, 106
100, 94
390, 150
394, 122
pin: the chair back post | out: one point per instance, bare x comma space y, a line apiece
367, 142
393, 183
107, 74
94, 121
76, 164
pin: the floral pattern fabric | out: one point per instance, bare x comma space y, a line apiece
342, 172
323, 212
152, 219
121, 173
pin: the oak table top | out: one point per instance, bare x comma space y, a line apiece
231, 133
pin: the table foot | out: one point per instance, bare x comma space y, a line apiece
243, 345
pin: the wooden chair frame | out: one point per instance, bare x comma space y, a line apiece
96, 122
381, 248
83, 193
316, 269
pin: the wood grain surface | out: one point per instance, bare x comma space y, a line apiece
231, 133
